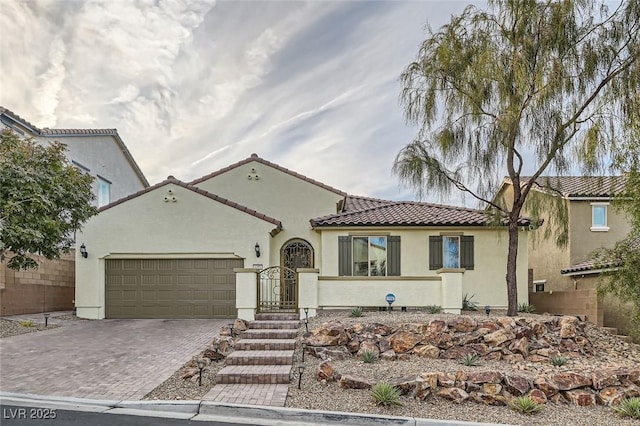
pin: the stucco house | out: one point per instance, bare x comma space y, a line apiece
255, 236
565, 279
98, 152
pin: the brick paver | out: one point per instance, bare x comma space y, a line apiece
253, 394
106, 359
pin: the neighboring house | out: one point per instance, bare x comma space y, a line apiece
98, 152
565, 278
203, 249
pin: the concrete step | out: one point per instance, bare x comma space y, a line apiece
277, 317
274, 324
254, 357
266, 333
265, 344
610, 330
254, 374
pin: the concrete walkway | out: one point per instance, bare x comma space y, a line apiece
106, 359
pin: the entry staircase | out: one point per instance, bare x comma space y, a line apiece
261, 362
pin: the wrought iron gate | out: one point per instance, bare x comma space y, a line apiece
278, 290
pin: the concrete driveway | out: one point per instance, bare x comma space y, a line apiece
106, 359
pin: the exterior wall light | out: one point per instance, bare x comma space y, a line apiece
257, 249
83, 251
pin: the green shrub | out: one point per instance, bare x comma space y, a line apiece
629, 407
27, 323
526, 308
525, 405
470, 360
386, 394
434, 309
558, 361
468, 304
356, 312
369, 357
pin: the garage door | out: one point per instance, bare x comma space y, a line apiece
171, 288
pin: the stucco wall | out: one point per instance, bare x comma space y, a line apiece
102, 156
277, 194
486, 281
147, 226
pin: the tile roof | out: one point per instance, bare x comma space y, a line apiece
173, 180
254, 157
582, 186
408, 213
356, 202
46, 132
595, 265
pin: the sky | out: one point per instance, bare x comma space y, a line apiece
195, 85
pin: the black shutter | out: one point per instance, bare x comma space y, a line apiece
393, 256
466, 252
344, 256
435, 252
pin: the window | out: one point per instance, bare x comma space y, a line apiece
451, 252
104, 192
369, 256
599, 216
538, 286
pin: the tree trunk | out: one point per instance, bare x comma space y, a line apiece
512, 279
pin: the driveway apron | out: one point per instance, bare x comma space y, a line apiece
106, 359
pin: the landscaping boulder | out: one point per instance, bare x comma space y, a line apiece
456, 395
325, 372
520, 346
328, 334
335, 353
355, 382
499, 337
406, 385
538, 396
463, 324
240, 325
404, 341
212, 355
570, 380
457, 352
581, 397
609, 396
488, 399
484, 377
516, 385
603, 378
426, 351
368, 346
436, 326
378, 329
353, 345
389, 355
545, 385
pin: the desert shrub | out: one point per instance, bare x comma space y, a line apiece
629, 407
356, 312
470, 360
369, 357
525, 405
386, 394
434, 309
468, 304
526, 308
558, 361
27, 323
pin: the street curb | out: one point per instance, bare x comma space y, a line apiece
226, 412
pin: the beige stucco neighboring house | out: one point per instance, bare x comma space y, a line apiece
256, 236
102, 154
565, 279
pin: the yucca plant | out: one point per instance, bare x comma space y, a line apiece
434, 309
470, 360
525, 405
27, 323
558, 361
356, 312
369, 357
629, 407
385, 394
468, 304
526, 308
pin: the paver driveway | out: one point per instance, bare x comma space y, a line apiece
107, 359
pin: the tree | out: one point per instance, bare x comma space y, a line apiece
519, 89
43, 200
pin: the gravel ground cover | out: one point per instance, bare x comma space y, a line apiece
329, 396
10, 328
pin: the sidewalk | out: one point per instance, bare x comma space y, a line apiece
221, 412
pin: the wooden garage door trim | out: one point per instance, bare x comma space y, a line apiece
170, 288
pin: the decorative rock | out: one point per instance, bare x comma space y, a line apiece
389, 355
479, 348
538, 396
456, 395
488, 399
498, 337
384, 344
325, 372
506, 322
240, 325
436, 326
493, 356
463, 339
603, 378
225, 330
368, 346
329, 334
336, 353
524, 332
427, 351
489, 325
353, 345
513, 358
404, 357
457, 352
404, 341
355, 382
463, 324
558, 399
413, 327
547, 352
537, 358
545, 385
568, 381
189, 372
378, 329
580, 397
212, 355
520, 346
446, 380
357, 328
406, 385
516, 385
491, 388
609, 396
485, 377
568, 345
429, 380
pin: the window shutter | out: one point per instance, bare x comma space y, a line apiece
466, 252
344, 256
435, 252
393, 256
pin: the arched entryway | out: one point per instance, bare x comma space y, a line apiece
296, 253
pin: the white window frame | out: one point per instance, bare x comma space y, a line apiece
100, 180
600, 227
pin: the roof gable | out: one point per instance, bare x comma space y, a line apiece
202, 192
578, 186
52, 133
255, 158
